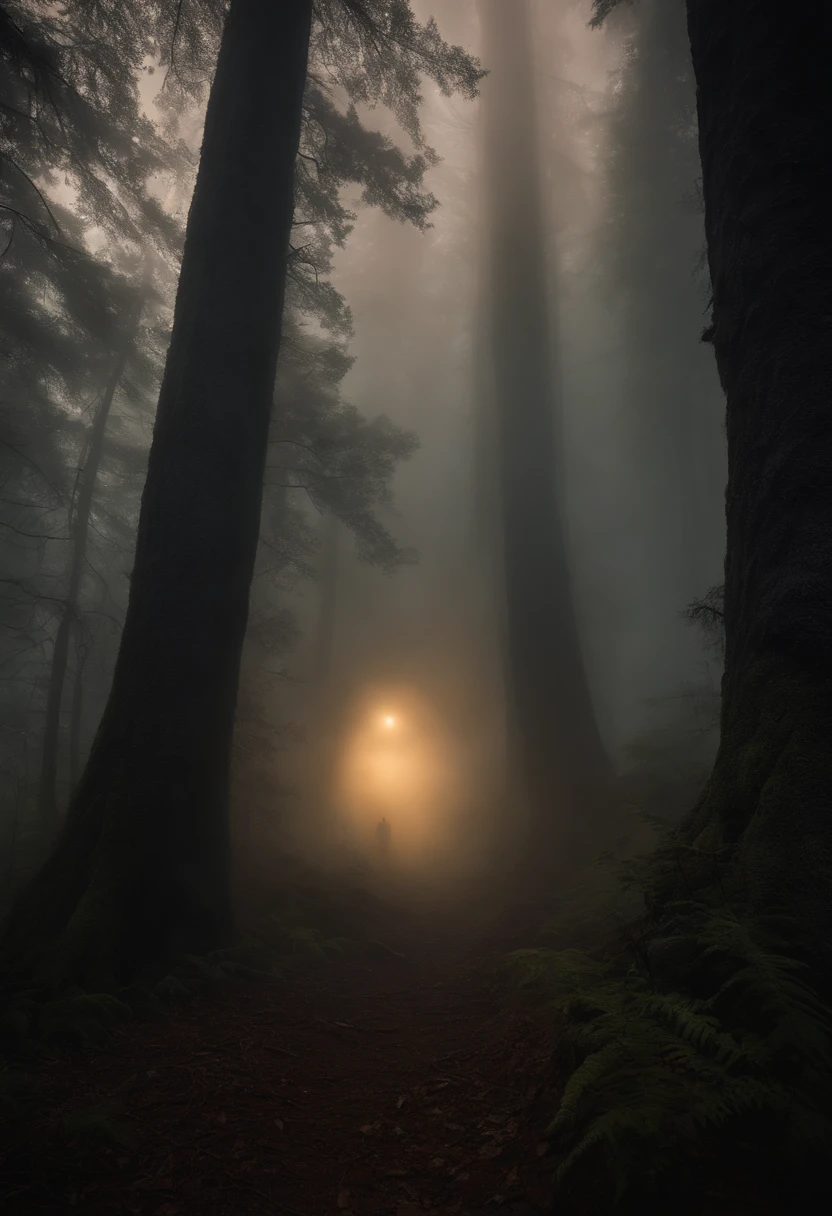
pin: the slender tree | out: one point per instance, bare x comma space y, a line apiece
68, 617
83, 645
562, 765
325, 640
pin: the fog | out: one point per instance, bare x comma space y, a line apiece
641, 461
376, 678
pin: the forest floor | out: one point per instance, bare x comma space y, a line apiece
390, 1081
395, 1079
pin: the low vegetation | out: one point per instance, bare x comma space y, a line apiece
692, 1036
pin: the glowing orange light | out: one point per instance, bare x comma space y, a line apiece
389, 721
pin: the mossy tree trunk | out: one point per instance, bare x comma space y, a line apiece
558, 754
765, 116
141, 868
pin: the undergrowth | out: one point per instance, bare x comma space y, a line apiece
692, 1035
75, 1019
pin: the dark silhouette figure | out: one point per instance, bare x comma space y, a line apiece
383, 834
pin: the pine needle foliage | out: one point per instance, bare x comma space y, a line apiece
690, 1033
601, 9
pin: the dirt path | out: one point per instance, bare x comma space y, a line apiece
380, 1084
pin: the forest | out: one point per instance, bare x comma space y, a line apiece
415, 607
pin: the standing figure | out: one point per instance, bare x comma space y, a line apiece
383, 840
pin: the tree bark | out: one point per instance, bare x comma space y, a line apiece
563, 768
141, 869
765, 113
80, 520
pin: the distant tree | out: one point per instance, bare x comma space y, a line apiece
764, 118
708, 615
323, 455
564, 773
77, 156
649, 261
80, 522
141, 868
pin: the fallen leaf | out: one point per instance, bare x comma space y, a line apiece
279, 1124
366, 1129
343, 1199
512, 1178
437, 1163
401, 1101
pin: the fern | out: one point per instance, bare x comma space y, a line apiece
79, 1019
654, 1073
310, 942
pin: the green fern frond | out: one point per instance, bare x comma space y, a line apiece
652, 1070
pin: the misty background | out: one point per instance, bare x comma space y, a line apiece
374, 592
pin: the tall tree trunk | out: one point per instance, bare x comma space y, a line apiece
79, 527
83, 645
559, 753
325, 693
141, 870
765, 113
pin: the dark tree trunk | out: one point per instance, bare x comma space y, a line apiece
765, 115
559, 754
141, 870
83, 645
79, 528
